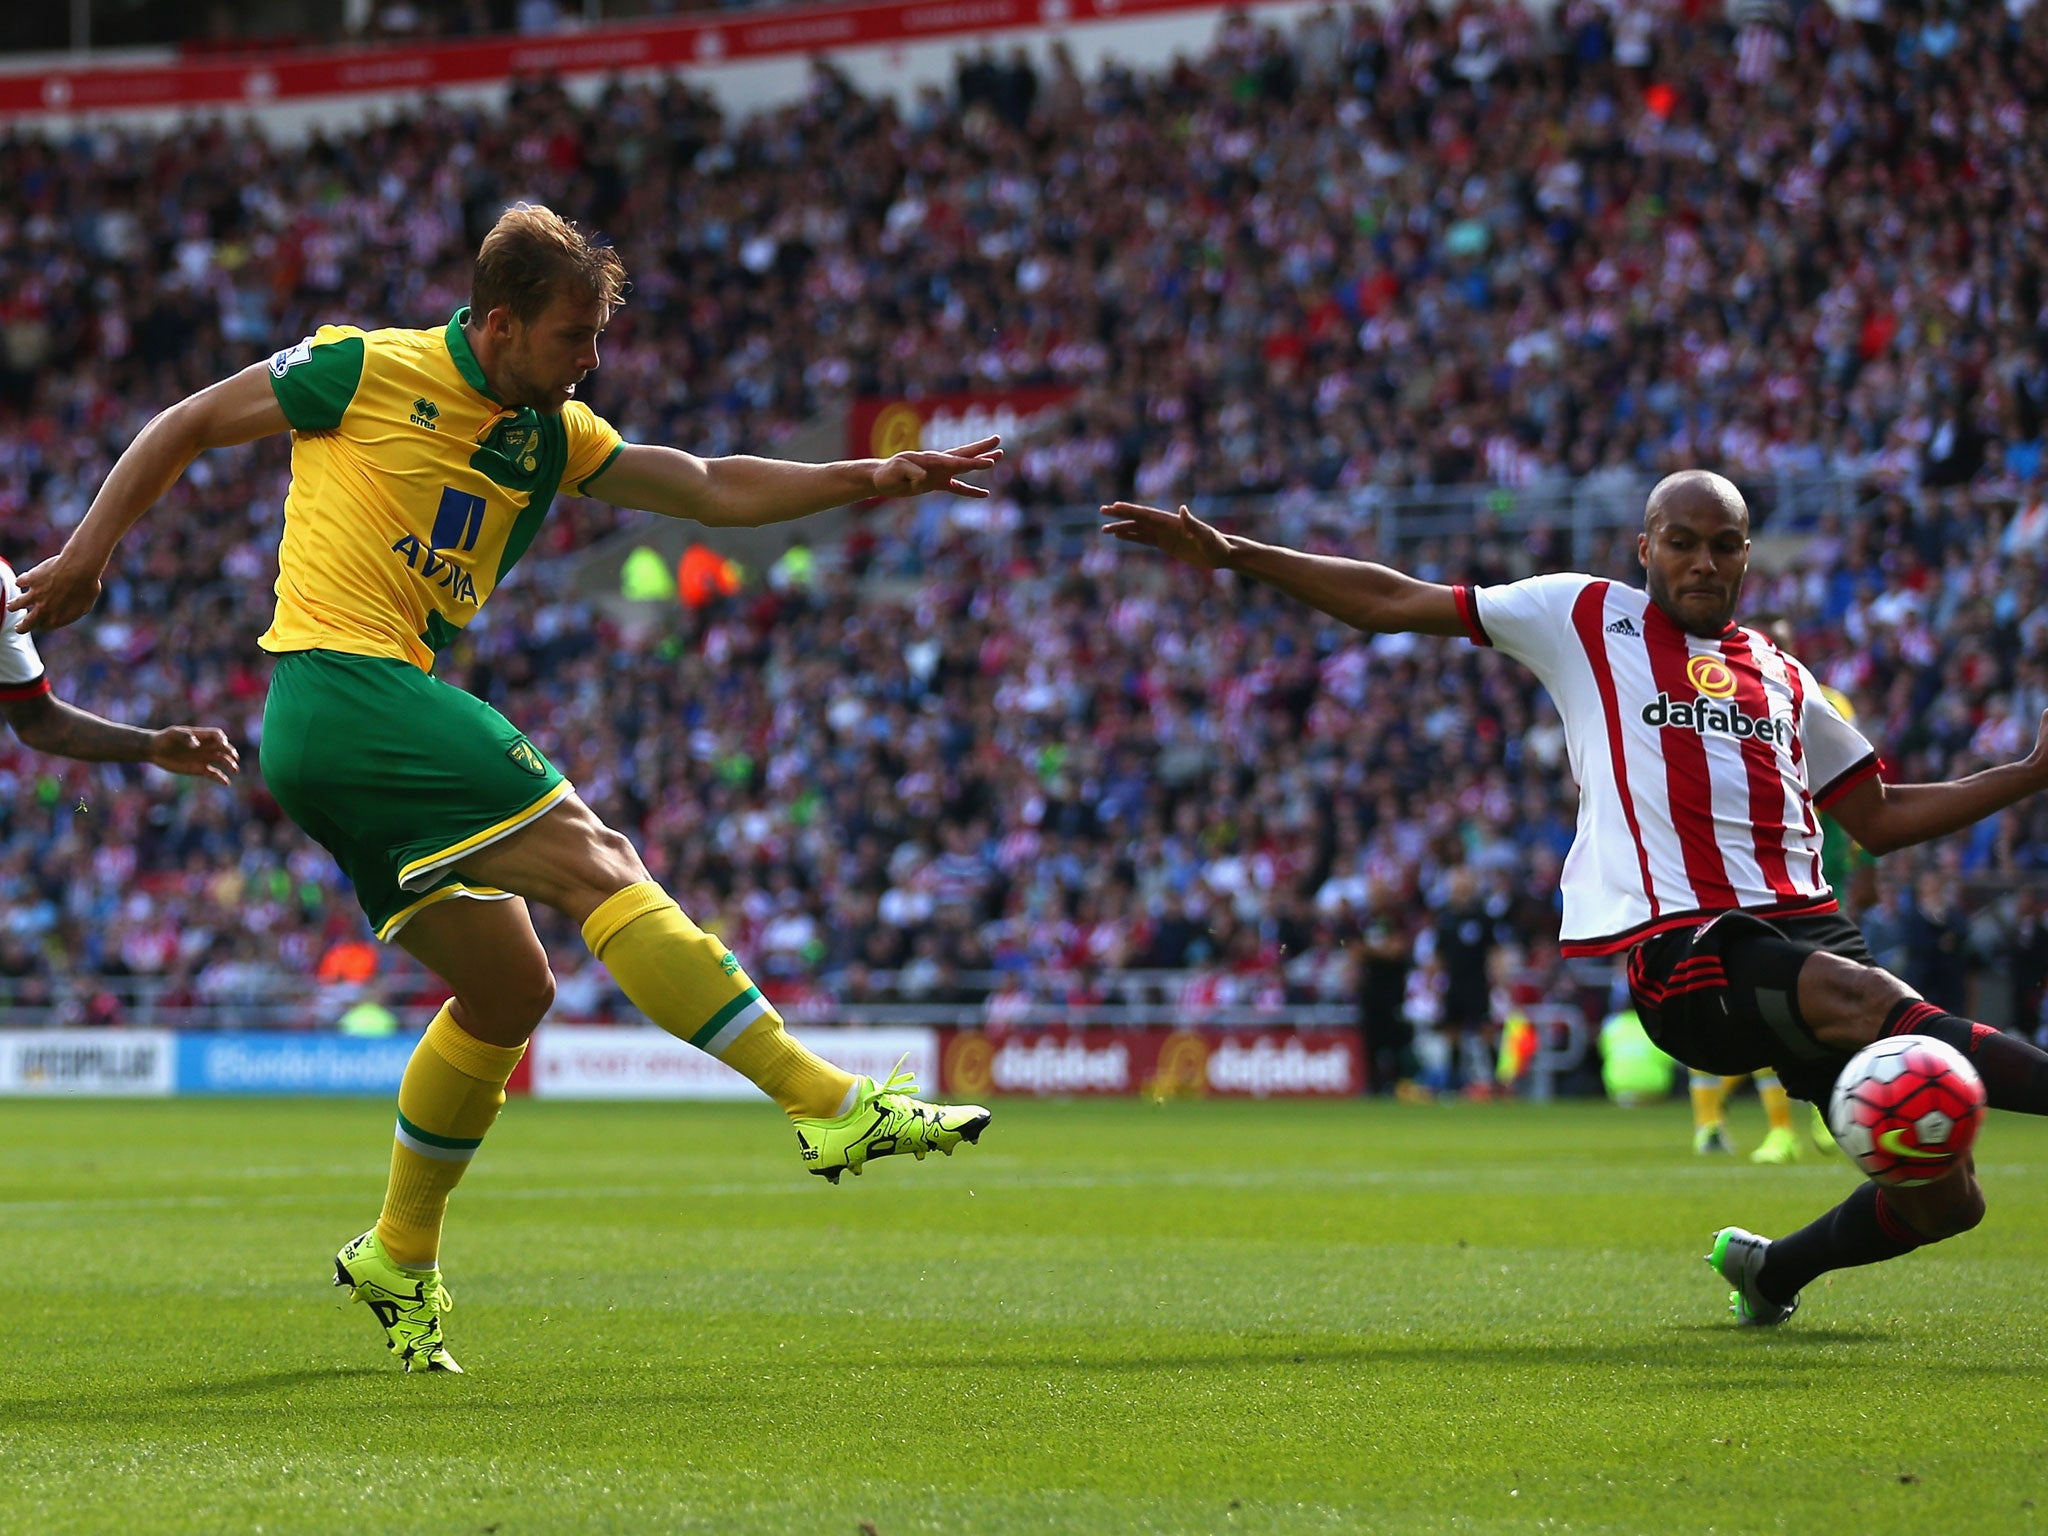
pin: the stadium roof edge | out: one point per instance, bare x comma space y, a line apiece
747, 59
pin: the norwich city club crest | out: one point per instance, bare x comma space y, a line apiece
522, 752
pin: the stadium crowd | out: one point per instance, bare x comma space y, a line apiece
1400, 248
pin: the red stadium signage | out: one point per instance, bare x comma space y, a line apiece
266, 79
876, 428
1230, 1063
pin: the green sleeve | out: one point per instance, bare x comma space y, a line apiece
315, 381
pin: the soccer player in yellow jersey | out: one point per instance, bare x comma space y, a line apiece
422, 465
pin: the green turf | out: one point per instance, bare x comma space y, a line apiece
1112, 1317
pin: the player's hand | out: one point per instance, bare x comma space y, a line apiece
54, 593
2037, 760
919, 473
1180, 534
198, 750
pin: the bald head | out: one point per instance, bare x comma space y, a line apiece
1695, 490
1695, 549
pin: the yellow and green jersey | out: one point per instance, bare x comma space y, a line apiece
414, 490
1840, 854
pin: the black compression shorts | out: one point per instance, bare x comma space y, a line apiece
1723, 995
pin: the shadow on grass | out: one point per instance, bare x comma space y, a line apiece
1701, 1347
175, 1397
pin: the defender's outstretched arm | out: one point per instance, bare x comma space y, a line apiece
1884, 817
1370, 597
48, 724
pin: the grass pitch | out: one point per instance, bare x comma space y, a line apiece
1111, 1317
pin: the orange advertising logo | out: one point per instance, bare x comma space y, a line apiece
899, 429
970, 1064
1712, 676
1183, 1068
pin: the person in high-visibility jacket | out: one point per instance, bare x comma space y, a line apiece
1632, 1068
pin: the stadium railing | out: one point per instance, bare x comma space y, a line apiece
1599, 504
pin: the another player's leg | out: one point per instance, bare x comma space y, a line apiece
1781, 1141
452, 1091
1819, 1131
1709, 1111
690, 984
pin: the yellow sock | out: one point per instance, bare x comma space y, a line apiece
1777, 1102
690, 984
1709, 1093
453, 1089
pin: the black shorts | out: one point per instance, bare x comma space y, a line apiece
1723, 995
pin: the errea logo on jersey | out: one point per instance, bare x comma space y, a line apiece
425, 413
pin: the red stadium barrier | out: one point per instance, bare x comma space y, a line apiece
1231, 1063
267, 79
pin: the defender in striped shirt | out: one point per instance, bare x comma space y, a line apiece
1702, 752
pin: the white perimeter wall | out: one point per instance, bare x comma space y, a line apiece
747, 86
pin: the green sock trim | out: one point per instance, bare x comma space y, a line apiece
447, 1143
710, 1032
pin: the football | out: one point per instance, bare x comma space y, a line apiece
1907, 1108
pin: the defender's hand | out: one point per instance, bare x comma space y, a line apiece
919, 473
1180, 534
197, 750
54, 593
2037, 760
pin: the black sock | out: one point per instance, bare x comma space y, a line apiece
1863, 1229
2015, 1072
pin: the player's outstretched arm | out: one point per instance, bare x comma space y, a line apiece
50, 725
746, 492
1885, 817
239, 409
1370, 597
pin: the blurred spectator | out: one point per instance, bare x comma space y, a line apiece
1385, 949
1935, 959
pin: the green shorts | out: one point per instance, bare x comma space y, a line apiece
398, 775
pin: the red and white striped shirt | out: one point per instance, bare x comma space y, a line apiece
1696, 759
21, 669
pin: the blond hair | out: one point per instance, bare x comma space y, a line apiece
531, 255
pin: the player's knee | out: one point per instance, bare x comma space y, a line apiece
1957, 1206
1846, 1003
521, 999
540, 995
618, 858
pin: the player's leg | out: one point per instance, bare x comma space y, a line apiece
1724, 997
681, 977
1709, 1110
1770, 980
383, 765
1874, 1224
453, 1088
1848, 1005
454, 1085
690, 984
1709, 1091
1781, 1142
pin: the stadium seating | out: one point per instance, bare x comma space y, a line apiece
1381, 253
